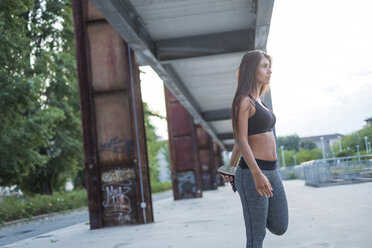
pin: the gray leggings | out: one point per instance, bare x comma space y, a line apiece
261, 212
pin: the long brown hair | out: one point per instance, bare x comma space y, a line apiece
247, 84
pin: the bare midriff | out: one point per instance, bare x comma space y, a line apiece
263, 146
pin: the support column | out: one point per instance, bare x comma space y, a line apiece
206, 158
185, 168
218, 162
117, 173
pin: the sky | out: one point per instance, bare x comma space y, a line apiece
322, 69
152, 91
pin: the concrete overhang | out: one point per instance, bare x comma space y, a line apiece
195, 46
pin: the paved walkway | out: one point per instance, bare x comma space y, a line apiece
337, 216
13, 231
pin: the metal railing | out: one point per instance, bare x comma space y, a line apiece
351, 169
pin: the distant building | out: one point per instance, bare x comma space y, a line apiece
368, 121
328, 141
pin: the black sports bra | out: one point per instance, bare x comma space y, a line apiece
261, 121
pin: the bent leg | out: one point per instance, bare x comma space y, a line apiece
255, 208
277, 218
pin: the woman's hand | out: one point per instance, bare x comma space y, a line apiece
263, 185
228, 178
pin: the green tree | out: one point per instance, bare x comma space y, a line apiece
306, 155
349, 142
290, 142
54, 64
40, 144
24, 125
152, 141
288, 155
365, 132
307, 144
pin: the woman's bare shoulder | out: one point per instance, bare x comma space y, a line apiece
247, 104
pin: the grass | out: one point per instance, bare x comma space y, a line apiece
14, 208
157, 187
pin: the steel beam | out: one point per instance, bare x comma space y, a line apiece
204, 45
189, 103
92, 171
186, 175
216, 115
206, 158
264, 12
116, 163
225, 136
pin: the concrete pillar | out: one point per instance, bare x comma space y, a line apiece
185, 168
116, 165
218, 162
206, 158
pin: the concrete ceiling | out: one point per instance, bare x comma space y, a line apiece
195, 46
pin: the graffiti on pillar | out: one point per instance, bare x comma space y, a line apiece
119, 201
204, 167
186, 184
116, 145
207, 181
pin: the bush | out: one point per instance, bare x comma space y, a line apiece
292, 175
159, 187
13, 208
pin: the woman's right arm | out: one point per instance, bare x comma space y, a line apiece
235, 155
263, 185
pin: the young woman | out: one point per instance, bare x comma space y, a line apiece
257, 177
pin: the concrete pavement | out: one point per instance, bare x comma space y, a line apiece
13, 231
337, 216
